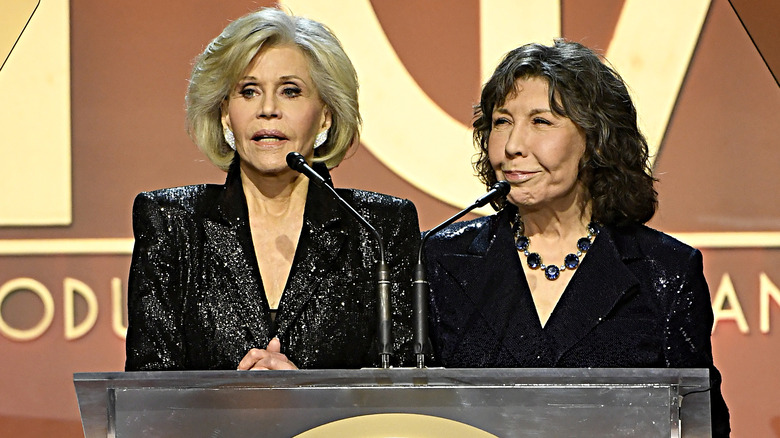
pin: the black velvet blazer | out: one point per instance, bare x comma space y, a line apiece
638, 299
196, 300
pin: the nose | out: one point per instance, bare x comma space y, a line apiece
516, 142
268, 108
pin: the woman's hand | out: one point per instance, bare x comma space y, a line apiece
266, 359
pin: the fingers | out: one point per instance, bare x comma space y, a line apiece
250, 359
274, 346
279, 362
266, 359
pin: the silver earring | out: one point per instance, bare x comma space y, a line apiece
321, 137
229, 138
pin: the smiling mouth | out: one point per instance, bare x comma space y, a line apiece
517, 176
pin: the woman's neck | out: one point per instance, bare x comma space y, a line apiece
559, 220
274, 196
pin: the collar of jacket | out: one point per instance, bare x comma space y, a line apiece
323, 237
602, 280
622, 239
230, 207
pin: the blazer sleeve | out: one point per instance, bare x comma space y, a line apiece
688, 335
154, 301
404, 245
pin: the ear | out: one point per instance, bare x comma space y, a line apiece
327, 118
225, 117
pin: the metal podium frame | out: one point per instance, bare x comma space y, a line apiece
511, 402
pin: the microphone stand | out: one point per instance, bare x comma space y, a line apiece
297, 162
421, 286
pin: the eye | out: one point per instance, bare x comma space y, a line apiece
291, 91
499, 121
248, 92
540, 121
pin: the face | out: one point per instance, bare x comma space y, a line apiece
275, 109
536, 151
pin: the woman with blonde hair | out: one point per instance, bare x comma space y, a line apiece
267, 271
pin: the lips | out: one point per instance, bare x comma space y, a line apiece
268, 136
518, 176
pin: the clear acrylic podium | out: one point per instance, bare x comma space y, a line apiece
549, 402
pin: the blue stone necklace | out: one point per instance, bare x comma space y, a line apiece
534, 260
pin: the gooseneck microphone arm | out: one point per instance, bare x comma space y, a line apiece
421, 287
297, 162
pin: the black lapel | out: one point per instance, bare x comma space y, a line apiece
227, 234
320, 245
596, 287
497, 289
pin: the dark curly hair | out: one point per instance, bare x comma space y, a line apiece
614, 169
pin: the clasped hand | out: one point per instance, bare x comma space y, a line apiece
269, 358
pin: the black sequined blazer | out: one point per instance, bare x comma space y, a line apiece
196, 299
638, 299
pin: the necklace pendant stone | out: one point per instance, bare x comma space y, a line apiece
571, 261
534, 260
522, 243
552, 272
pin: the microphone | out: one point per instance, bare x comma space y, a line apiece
421, 287
297, 162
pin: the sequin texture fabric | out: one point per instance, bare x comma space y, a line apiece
196, 300
638, 299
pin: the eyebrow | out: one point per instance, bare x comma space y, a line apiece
281, 78
288, 77
536, 111
533, 112
253, 81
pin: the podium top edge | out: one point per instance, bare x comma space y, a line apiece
401, 376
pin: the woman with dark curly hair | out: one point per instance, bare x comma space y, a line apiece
565, 274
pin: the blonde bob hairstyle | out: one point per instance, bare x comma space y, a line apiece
218, 69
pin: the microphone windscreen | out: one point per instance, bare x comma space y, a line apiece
497, 190
296, 161
502, 188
